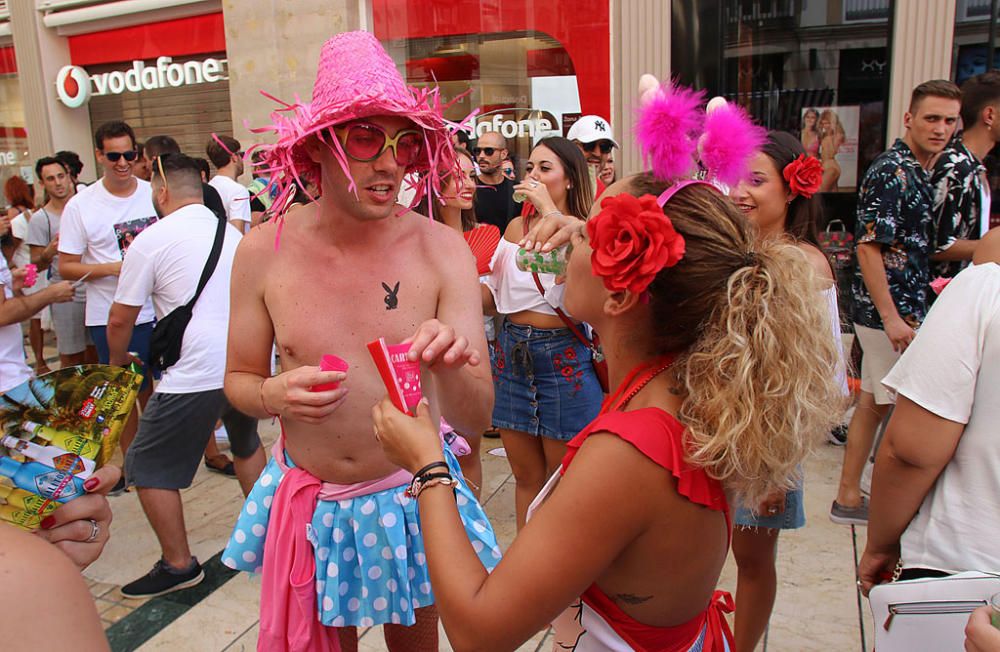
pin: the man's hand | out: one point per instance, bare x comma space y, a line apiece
876, 567
899, 333
290, 394
550, 232
60, 292
51, 249
437, 343
980, 634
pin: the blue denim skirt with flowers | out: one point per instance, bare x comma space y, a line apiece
544, 382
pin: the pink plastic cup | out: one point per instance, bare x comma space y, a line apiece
407, 373
330, 363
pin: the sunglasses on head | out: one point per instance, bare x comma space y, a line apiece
366, 142
130, 155
489, 151
604, 145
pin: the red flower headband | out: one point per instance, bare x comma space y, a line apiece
804, 175
632, 241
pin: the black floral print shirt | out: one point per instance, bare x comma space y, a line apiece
894, 210
957, 178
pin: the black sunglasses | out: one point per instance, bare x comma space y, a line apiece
604, 145
489, 151
130, 155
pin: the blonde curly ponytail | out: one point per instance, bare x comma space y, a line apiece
758, 361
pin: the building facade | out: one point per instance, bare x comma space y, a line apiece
189, 68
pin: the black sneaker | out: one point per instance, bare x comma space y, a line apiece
838, 436
164, 579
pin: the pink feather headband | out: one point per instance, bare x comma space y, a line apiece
679, 139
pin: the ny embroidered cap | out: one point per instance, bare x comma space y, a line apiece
590, 128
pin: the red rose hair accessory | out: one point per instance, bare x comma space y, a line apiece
632, 241
804, 175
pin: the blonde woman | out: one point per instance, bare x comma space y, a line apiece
698, 318
832, 136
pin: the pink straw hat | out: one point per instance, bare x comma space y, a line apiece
356, 79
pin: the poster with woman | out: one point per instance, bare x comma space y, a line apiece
830, 133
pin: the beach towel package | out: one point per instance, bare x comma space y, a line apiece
55, 431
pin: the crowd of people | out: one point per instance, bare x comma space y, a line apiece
656, 393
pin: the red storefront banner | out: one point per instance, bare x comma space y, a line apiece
8, 62
581, 26
170, 38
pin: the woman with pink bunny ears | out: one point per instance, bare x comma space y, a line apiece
717, 393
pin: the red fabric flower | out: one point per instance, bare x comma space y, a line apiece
804, 175
632, 241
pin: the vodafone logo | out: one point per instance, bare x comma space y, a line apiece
73, 86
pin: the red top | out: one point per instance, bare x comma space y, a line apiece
660, 437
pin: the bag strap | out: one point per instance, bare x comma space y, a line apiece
213, 261
586, 341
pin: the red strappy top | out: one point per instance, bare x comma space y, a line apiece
659, 436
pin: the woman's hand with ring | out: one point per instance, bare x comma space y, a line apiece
538, 194
773, 504
81, 527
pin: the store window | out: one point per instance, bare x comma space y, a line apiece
818, 69
529, 68
14, 157
971, 57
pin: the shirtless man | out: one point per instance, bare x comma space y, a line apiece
322, 292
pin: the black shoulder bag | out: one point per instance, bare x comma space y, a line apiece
168, 334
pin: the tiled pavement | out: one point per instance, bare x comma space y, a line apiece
816, 607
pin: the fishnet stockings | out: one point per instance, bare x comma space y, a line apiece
421, 637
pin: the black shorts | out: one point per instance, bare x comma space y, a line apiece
173, 433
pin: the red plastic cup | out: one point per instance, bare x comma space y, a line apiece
330, 363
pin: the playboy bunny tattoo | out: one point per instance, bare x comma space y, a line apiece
391, 300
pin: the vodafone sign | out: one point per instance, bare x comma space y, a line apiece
75, 87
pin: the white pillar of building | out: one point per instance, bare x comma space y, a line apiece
922, 36
640, 43
51, 125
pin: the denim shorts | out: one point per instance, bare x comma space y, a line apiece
792, 518
544, 382
142, 334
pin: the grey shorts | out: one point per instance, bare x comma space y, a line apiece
71, 334
173, 432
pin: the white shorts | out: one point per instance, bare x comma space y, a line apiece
877, 359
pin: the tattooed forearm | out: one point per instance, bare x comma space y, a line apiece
630, 598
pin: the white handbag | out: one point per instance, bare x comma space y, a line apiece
928, 614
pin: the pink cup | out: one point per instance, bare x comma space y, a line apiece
330, 363
407, 374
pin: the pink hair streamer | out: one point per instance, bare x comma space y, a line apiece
666, 130
730, 139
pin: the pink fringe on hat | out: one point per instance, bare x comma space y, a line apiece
355, 79
730, 139
666, 130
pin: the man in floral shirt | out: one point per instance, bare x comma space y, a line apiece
895, 236
961, 189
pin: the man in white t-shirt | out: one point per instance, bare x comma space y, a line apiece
226, 155
14, 310
935, 501
165, 263
72, 342
98, 225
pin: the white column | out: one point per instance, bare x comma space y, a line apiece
922, 36
640, 43
51, 125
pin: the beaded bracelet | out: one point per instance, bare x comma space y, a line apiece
553, 212
422, 482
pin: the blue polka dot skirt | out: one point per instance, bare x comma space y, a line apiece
371, 568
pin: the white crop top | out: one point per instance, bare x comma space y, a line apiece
514, 290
